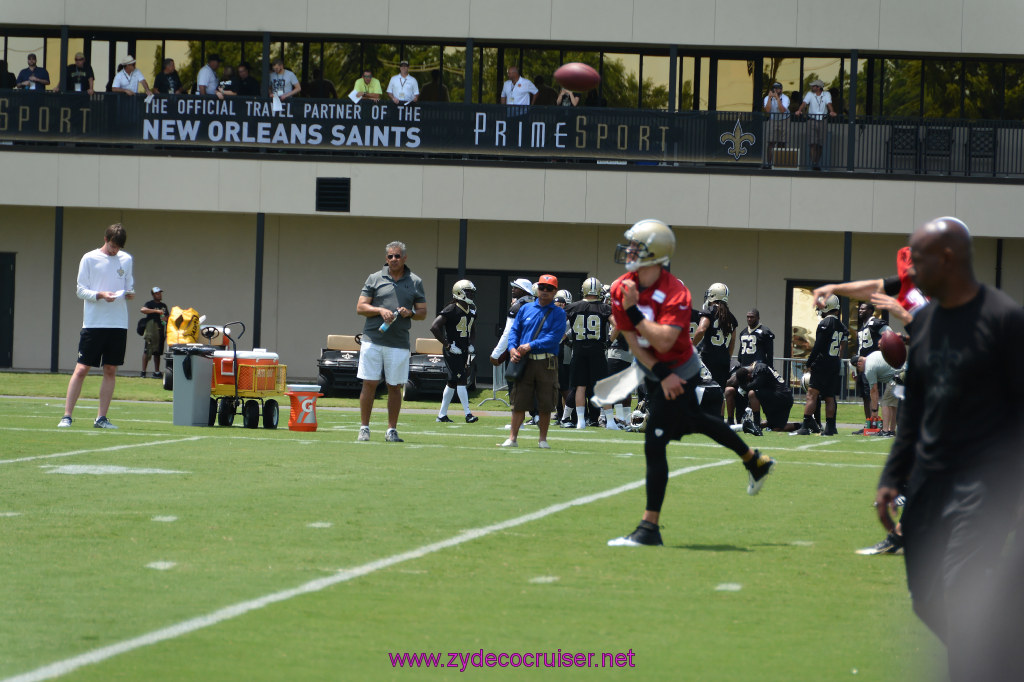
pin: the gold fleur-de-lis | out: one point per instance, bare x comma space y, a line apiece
737, 137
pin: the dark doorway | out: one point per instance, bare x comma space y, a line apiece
6, 309
493, 295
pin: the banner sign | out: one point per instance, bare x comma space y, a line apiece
429, 128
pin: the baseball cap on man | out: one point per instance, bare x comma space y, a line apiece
157, 290
548, 279
403, 63
776, 85
820, 83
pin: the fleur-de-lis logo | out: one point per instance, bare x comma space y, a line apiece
737, 137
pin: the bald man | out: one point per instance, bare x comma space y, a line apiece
958, 452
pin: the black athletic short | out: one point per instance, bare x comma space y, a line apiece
826, 381
588, 366
719, 370
563, 375
457, 368
102, 346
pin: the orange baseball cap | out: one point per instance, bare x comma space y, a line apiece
548, 279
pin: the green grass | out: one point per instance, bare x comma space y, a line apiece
75, 577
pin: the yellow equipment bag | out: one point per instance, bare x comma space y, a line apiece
182, 326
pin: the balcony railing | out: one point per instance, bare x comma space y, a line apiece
549, 134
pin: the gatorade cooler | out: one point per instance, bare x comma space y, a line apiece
303, 414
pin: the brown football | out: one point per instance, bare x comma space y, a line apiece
577, 77
893, 349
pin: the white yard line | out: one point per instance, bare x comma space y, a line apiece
185, 627
112, 448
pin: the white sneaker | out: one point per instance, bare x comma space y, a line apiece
543, 445
364, 433
612, 425
509, 443
65, 422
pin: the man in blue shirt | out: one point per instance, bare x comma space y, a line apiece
534, 339
34, 77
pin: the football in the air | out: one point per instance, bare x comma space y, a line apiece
577, 77
893, 349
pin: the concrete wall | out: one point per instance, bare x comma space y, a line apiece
939, 26
410, 191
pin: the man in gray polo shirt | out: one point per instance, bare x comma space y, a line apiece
388, 300
877, 371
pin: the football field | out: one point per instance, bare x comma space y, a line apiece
156, 552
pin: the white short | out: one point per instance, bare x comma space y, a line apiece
393, 362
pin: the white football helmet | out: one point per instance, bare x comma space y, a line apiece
648, 242
716, 292
464, 290
592, 287
564, 295
831, 303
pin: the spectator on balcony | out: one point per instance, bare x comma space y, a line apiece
794, 102
207, 82
818, 104
33, 77
7, 79
244, 83
567, 98
283, 82
546, 95
320, 87
403, 88
128, 79
435, 90
368, 87
168, 82
595, 99
79, 77
776, 105
226, 83
518, 90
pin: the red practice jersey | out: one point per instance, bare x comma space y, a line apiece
666, 302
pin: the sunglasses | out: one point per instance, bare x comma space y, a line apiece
545, 287
394, 256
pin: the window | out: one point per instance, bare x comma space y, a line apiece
901, 87
982, 90
620, 83
654, 94
941, 88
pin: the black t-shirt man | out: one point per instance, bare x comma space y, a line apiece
167, 83
76, 78
247, 86
961, 408
714, 347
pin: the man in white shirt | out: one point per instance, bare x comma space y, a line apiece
818, 104
105, 282
403, 88
207, 81
518, 90
128, 79
283, 82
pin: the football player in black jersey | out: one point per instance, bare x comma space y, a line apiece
869, 331
764, 388
588, 328
757, 342
824, 363
455, 328
563, 299
715, 338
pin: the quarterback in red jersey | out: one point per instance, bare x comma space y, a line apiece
652, 308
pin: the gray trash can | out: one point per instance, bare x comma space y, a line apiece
193, 372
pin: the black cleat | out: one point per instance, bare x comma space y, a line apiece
748, 424
471, 418
758, 469
830, 430
567, 424
892, 544
444, 420
646, 534
802, 431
